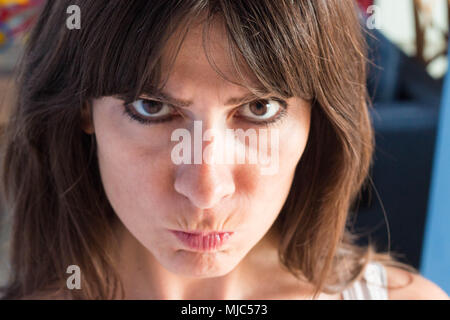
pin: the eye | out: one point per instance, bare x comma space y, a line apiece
149, 111
262, 110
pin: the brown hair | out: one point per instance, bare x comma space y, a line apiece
311, 49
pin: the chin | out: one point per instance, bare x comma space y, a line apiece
202, 265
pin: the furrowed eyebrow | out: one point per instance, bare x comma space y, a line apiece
235, 101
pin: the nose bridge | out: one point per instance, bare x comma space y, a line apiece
205, 181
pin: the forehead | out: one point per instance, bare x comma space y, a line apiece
192, 64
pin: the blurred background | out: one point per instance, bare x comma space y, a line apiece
407, 211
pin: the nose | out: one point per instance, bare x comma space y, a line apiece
205, 184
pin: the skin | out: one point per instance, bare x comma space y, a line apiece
151, 195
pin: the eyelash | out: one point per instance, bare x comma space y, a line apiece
278, 119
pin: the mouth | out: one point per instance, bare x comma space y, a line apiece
203, 241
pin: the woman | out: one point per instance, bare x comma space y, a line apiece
92, 169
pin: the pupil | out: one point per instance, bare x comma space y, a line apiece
152, 107
259, 108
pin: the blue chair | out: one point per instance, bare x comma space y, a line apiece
435, 260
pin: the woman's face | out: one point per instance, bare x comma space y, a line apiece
233, 204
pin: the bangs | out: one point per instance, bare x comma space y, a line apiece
122, 44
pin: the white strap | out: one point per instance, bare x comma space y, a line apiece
377, 281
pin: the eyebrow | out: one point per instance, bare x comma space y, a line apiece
235, 101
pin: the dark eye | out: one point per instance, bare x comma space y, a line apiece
261, 110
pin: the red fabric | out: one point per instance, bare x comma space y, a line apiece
364, 4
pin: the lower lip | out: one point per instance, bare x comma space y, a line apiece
203, 242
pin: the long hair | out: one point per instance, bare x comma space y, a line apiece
313, 49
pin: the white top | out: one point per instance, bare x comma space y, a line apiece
374, 288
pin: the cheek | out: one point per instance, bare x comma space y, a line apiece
130, 178
268, 192
133, 167
292, 144
292, 147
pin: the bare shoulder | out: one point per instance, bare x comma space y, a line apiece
404, 285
